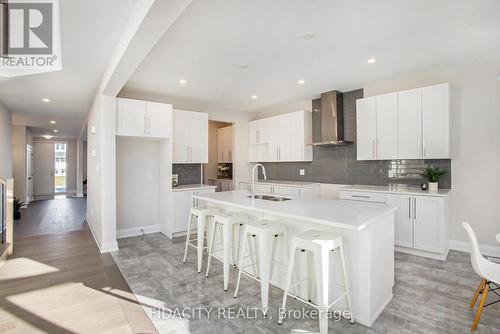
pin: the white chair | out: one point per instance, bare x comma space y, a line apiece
266, 233
320, 244
203, 218
226, 222
487, 270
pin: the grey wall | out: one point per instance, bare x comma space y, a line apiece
188, 173
338, 164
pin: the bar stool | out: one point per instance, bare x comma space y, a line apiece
226, 221
204, 217
267, 233
320, 244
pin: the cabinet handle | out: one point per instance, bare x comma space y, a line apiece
415, 208
145, 125
149, 126
424, 147
360, 196
409, 207
373, 148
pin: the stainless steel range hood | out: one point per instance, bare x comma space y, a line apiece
328, 120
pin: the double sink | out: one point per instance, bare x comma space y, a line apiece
270, 198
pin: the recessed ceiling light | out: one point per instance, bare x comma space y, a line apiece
183, 81
243, 66
47, 136
301, 82
46, 100
371, 61
52, 122
255, 97
309, 35
56, 131
498, 76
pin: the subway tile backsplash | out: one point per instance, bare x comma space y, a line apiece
188, 173
338, 164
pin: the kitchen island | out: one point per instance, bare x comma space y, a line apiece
368, 232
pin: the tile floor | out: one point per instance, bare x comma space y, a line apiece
429, 296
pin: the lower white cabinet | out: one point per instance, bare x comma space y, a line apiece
288, 190
182, 201
421, 223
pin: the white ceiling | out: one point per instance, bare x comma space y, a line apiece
89, 29
212, 37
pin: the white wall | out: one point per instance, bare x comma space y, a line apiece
137, 184
19, 161
475, 129
101, 172
5, 143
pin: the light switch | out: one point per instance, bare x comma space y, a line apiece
302, 172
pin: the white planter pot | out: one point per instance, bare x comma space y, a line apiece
433, 186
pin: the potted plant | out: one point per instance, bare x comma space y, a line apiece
433, 174
17, 206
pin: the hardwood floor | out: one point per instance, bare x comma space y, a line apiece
58, 282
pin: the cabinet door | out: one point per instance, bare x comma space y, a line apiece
292, 137
181, 140
228, 144
366, 128
159, 120
403, 223
198, 134
131, 118
182, 205
410, 123
287, 191
273, 124
387, 127
254, 132
436, 121
220, 145
426, 217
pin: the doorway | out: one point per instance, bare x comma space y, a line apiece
61, 164
29, 174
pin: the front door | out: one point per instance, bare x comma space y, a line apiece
29, 174
43, 170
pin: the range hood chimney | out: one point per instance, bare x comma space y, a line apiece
328, 120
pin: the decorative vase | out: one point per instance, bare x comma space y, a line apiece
433, 186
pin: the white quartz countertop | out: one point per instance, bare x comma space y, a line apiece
343, 214
190, 187
401, 189
284, 183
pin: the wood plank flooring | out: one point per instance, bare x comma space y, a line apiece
430, 296
58, 282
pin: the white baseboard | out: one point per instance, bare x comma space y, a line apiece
103, 248
417, 252
139, 230
464, 246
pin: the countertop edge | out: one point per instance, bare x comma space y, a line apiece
388, 191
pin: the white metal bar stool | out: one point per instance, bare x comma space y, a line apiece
226, 222
267, 233
320, 244
204, 217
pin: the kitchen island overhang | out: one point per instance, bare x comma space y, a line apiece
368, 232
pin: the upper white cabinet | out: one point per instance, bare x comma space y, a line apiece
436, 122
411, 124
285, 137
143, 119
225, 144
190, 140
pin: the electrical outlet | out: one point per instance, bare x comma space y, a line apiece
302, 172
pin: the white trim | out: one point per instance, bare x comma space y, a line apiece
105, 248
464, 246
417, 252
139, 230
377, 314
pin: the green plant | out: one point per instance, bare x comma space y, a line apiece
433, 174
18, 204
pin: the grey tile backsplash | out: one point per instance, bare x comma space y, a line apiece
188, 173
338, 164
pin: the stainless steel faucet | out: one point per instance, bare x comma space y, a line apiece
256, 167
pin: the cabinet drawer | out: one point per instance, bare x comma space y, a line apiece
362, 196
